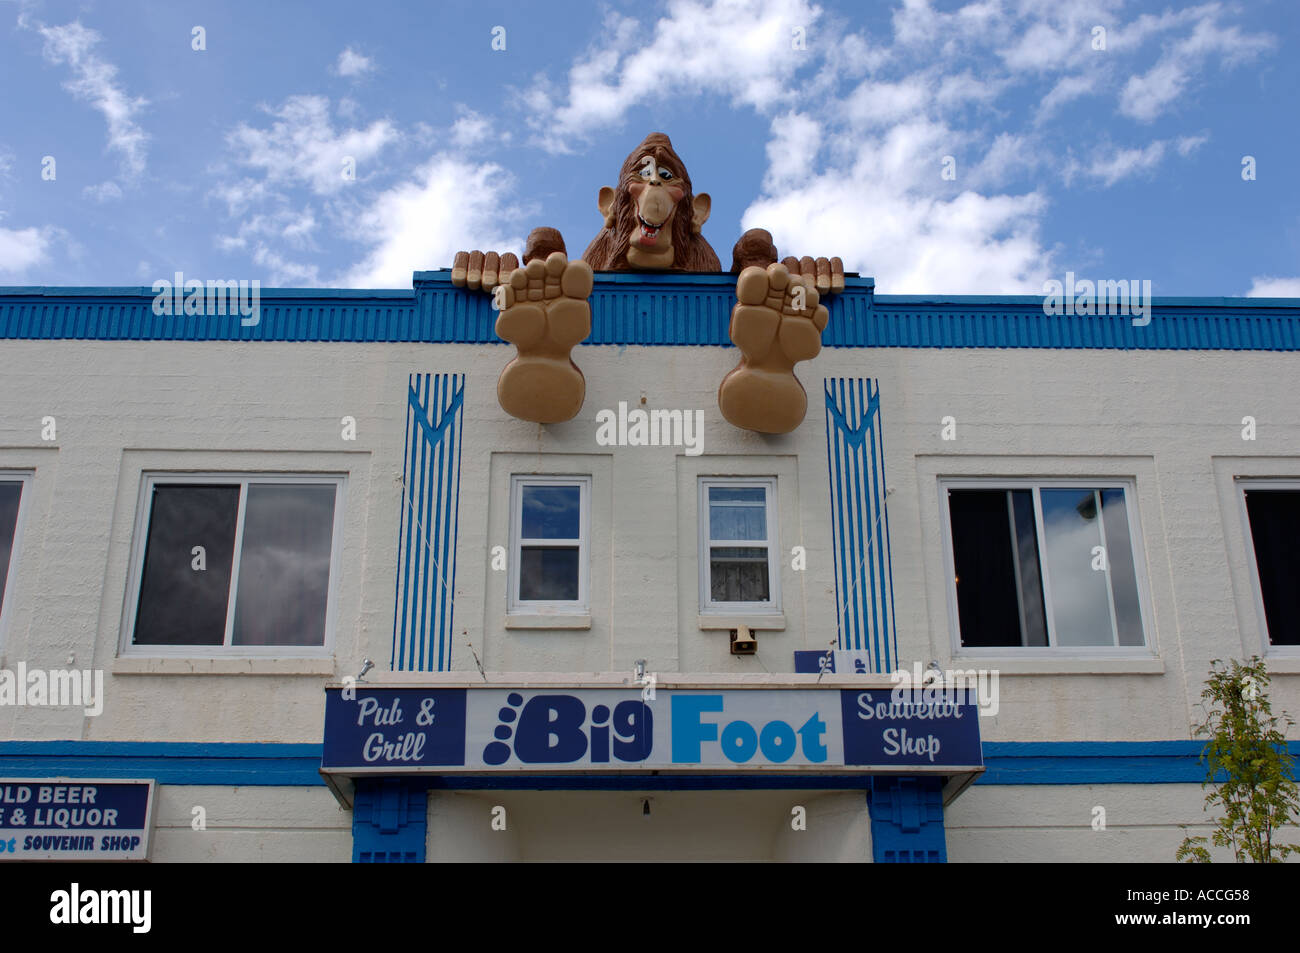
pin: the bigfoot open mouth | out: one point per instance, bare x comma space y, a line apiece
649, 232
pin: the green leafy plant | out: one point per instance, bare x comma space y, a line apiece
1248, 767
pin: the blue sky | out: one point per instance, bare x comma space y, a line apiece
228, 162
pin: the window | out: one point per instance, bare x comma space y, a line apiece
1273, 513
738, 546
11, 496
237, 565
550, 542
1044, 565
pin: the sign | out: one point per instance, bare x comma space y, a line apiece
836, 662
62, 819
489, 729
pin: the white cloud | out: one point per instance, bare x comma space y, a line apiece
1266, 287
23, 248
283, 273
1126, 162
352, 63
104, 192
470, 129
737, 48
301, 147
1149, 94
880, 212
1066, 90
1009, 155
94, 80
451, 205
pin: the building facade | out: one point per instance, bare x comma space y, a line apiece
227, 518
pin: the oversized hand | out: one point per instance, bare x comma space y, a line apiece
827, 273
480, 271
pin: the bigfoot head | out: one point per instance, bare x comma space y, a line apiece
652, 221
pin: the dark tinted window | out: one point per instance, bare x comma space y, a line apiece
183, 601
1275, 533
10, 494
995, 554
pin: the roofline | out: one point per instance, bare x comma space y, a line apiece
442, 276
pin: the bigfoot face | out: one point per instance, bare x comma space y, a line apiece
655, 194
652, 219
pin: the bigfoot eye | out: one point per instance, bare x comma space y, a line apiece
665, 174
647, 167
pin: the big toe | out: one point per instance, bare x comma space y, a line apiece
577, 280
555, 263
778, 276
751, 286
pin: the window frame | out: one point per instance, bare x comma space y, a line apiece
25, 479
1241, 485
139, 546
708, 607
530, 607
1129, 486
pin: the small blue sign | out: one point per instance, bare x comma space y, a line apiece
60, 819
394, 727
911, 727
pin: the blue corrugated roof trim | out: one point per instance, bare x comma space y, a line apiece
637, 308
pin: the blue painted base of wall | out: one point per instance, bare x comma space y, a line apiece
907, 820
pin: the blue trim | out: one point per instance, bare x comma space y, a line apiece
649, 782
279, 765
1096, 762
859, 532
298, 765
907, 820
649, 309
424, 598
389, 822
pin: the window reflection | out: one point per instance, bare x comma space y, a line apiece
284, 565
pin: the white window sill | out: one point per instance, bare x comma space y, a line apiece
1282, 664
540, 621
1060, 666
136, 665
758, 623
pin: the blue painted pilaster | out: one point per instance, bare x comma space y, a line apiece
389, 822
907, 820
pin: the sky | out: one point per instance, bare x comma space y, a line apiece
979, 147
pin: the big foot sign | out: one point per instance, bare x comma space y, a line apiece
544, 314
652, 222
777, 323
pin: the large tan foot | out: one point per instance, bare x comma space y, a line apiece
777, 322
544, 314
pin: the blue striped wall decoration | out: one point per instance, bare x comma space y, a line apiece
426, 547
864, 577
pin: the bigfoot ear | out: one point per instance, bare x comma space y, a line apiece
701, 207
605, 202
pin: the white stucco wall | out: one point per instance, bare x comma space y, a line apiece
1169, 420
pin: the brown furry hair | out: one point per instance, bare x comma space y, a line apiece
608, 250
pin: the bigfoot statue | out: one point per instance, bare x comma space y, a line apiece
652, 223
